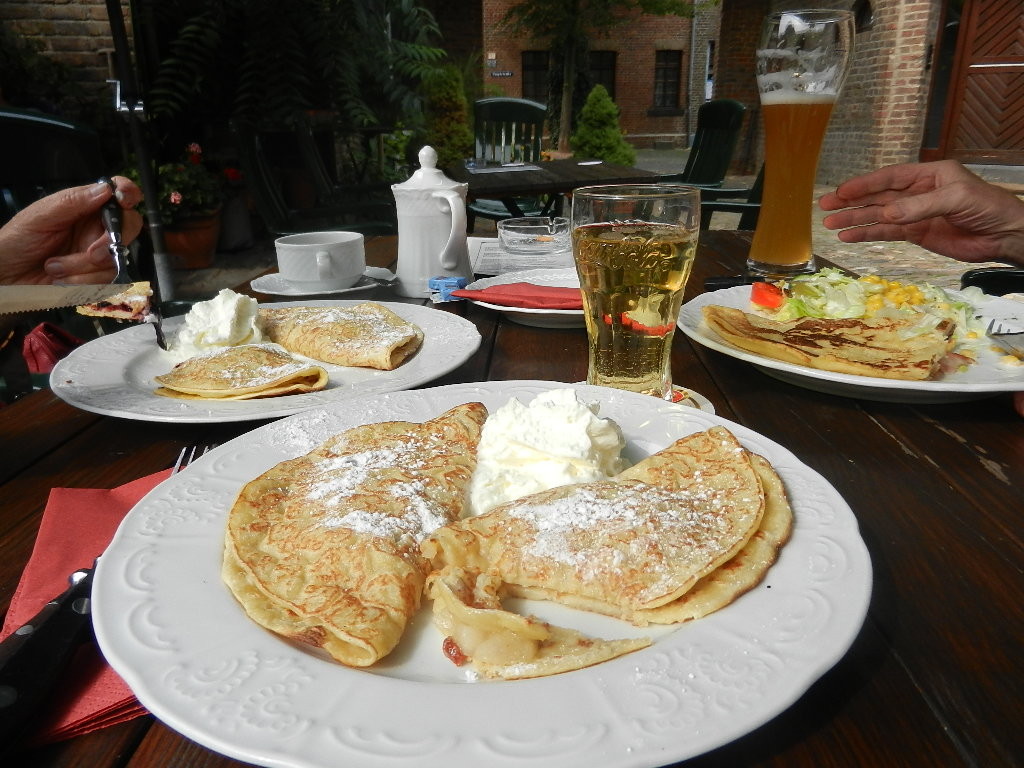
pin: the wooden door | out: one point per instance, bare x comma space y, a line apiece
985, 112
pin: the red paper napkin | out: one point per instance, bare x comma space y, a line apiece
77, 526
526, 296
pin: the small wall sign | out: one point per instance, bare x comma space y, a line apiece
501, 74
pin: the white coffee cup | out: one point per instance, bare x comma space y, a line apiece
321, 260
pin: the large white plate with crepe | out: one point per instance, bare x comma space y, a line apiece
985, 378
113, 375
198, 663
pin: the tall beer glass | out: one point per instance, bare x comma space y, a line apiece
634, 247
802, 63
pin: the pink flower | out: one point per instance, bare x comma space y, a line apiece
175, 198
194, 149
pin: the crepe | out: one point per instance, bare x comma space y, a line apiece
241, 373
366, 335
323, 549
130, 304
884, 347
504, 645
621, 547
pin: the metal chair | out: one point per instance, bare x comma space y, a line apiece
508, 130
358, 212
745, 201
43, 154
718, 130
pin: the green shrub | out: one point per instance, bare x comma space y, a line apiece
597, 131
446, 114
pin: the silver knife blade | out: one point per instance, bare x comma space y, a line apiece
31, 298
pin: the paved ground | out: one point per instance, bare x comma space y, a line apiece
891, 259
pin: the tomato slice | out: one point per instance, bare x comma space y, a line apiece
767, 295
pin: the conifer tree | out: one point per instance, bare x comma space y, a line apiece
598, 134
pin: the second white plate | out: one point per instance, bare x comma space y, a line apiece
539, 318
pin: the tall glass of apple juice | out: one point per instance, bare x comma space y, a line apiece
802, 62
634, 247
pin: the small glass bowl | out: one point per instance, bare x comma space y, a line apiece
534, 234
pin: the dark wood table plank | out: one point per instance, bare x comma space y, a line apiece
551, 177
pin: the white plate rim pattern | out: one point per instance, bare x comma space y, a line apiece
112, 375
197, 663
540, 318
983, 379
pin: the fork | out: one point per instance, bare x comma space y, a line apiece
998, 332
189, 454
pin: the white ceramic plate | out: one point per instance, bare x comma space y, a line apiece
275, 285
170, 627
983, 379
113, 375
540, 318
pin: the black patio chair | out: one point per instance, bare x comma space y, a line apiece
507, 130
745, 201
718, 130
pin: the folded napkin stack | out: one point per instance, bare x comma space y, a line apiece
77, 526
526, 296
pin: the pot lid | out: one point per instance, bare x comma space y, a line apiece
429, 176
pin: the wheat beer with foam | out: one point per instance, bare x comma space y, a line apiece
794, 127
802, 63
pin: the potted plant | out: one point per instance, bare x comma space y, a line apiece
190, 198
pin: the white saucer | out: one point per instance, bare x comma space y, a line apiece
275, 285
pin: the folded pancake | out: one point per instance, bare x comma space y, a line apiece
241, 373
504, 645
130, 304
324, 549
886, 347
624, 546
746, 568
366, 335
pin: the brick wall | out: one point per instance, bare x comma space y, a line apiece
635, 44
74, 33
879, 118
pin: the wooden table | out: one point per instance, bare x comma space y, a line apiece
933, 679
551, 179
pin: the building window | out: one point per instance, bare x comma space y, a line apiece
709, 72
535, 75
667, 69
602, 70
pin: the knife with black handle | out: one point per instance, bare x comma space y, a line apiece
34, 655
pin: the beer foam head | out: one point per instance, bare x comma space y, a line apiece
787, 96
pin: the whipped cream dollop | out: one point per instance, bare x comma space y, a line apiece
555, 440
227, 320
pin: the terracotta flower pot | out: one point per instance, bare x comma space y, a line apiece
192, 243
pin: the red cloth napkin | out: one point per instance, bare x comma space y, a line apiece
526, 296
77, 526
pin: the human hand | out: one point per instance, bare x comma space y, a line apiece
60, 238
940, 206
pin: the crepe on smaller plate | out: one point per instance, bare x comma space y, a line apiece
504, 645
881, 347
246, 372
366, 335
632, 547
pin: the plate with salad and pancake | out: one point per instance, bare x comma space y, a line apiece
866, 337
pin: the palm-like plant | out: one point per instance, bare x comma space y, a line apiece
212, 60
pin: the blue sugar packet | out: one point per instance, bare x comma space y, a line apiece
441, 287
